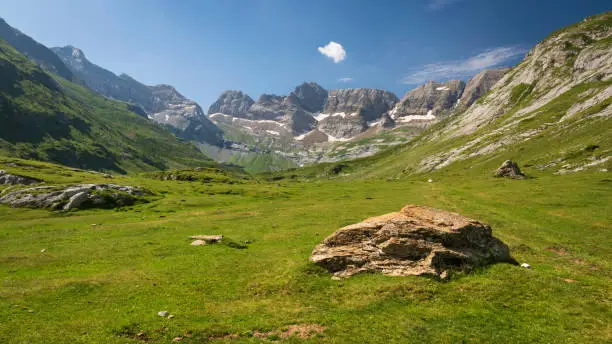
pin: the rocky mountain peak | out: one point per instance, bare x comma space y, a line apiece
234, 103
368, 103
480, 84
311, 96
428, 100
38, 53
73, 57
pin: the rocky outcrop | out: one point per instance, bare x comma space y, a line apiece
342, 126
183, 116
311, 96
428, 100
509, 169
74, 196
234, 103
12, 179
480, 84
41, 55
367, 103
417, 240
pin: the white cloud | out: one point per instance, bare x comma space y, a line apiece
334, 51
456, 69
436, 5
345, 80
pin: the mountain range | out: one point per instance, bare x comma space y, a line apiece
312, 124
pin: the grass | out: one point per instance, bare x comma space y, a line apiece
106, 283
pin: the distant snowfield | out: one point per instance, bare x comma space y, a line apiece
335, 139
443, 88
428, 117
323, 116
303, 136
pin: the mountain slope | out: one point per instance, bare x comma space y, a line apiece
51, 119
551, 113
161, 103
35, 51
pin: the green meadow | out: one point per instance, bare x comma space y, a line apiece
105, 274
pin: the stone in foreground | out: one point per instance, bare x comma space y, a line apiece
509, 169
417, 240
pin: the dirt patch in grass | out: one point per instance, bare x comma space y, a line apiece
560, 250
302, 331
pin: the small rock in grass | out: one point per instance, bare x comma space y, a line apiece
43, 250
30, 311
198, 243
336, 278
526, 266
207, 238
430, 180
170, 316
177, 339
163, 313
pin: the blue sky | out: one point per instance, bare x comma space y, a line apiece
270, 46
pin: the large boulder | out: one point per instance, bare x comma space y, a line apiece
417, 240
509, 169
74, 196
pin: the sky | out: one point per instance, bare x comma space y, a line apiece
270, 46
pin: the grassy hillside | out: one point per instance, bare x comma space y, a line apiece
106, 283
52, 119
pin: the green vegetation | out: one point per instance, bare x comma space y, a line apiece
106, 283
101, 275
52, 119
520, 92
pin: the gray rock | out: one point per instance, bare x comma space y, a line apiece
77, 200
74, 197
163, 314
509, 169
12, 179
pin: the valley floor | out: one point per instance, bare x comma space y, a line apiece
105, 274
